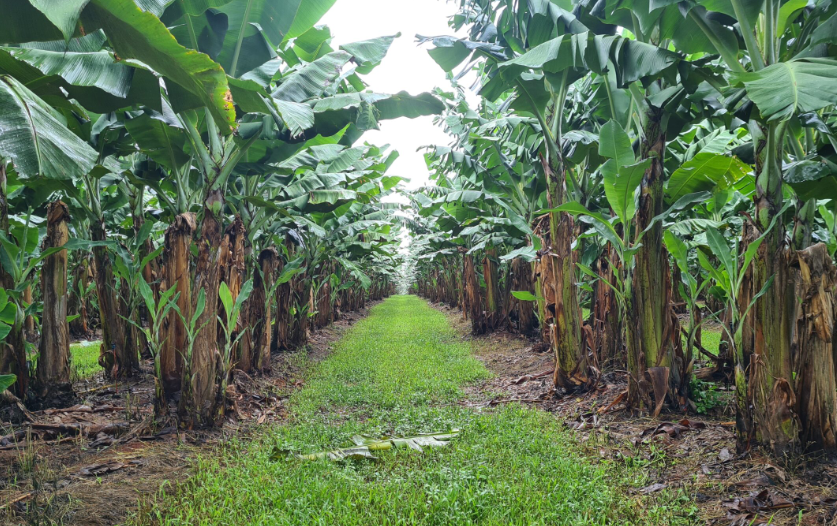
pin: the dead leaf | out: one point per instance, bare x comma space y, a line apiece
101, 469
652, 488
759, 480
761, 501
657, 377
725, 455
672, 429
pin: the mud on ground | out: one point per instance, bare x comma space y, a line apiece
694, 453
94, 462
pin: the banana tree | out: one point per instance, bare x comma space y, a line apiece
783, 74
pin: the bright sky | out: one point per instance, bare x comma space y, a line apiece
406, 67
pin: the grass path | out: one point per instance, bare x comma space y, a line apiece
399, 372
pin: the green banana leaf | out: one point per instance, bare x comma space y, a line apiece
366, 445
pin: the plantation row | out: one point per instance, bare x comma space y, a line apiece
181, 176
644, 159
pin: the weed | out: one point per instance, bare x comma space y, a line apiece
705, 395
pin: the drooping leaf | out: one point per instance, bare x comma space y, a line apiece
136, 34
527, 253
62, 13
160, 137
35, 137
369, 53
265, 24
311, 80
811, 179
297, 117
99, 69
402, 104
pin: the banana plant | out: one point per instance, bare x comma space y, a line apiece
728, 277
158, 311
229, 324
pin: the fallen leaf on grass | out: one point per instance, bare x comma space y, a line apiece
761, 501
672, 429
365, 445
759, 480
583, 421
652, 488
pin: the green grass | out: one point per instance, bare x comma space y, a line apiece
710, 340
401, 371
84, 359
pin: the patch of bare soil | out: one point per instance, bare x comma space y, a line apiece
92, 463
692, 453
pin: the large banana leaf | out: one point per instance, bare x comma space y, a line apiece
687, 37
159, 137
311, 45
633, 60
402, 104
312, 79
615, 144
140, 35
450, 52
323, 200
100, 69
365, 282
750, 10
208, 30
825, 33
811, 179
35, 137
705, 171
23, 22
95, 79
278, 20
788, 88
62, 13
369, 53
84, 44
366, 445
620, 184
364, 110
296, 116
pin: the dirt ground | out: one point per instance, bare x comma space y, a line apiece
695, 453
96, 462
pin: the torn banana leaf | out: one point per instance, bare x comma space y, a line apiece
365, 445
